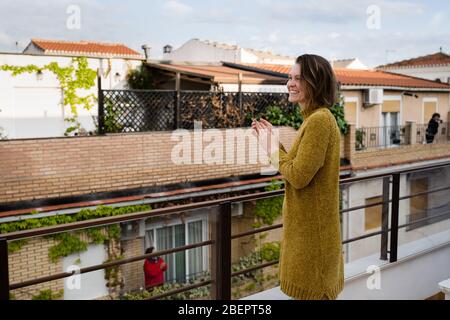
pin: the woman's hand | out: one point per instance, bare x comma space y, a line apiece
267, 137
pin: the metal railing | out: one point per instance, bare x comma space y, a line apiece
379, 137
443, 134
220, 243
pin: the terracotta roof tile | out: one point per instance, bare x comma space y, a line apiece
356, 77
435, 59
85, 47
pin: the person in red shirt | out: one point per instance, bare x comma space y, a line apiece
154, 268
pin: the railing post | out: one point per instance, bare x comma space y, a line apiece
241, 112
394, 216
4, 270
385, 218
221, 255
177, 97
101, 106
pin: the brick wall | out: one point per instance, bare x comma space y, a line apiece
57, 167
133, 273
32, 262
368, 159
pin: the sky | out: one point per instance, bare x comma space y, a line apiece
375, 31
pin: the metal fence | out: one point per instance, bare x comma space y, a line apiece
379, 137
220, 242
161, 110
442, 135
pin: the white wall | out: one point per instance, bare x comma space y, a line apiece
430, 73
254, 88
197, 51
92, 285
33, 108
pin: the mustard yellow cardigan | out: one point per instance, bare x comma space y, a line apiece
311, 260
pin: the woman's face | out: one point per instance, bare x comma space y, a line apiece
294, 86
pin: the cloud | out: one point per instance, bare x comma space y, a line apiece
337, 11
176, 9
370, 48
21, 20
437, 20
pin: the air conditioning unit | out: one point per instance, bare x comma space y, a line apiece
132, 230
373, 96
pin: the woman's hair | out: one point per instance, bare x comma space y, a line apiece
436, 114
318, 80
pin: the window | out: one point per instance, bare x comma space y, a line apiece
418, 204
372, 215
350, 112
181, 265
433, 207
390, 133
429, 107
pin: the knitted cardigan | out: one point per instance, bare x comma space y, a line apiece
311, 260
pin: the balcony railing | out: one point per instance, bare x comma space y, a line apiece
221, 239
443, 134
386, 137
379, 137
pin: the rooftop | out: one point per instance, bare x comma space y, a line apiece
88, 48
219, 73
355, 77
435, 59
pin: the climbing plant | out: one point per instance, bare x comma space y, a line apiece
48, 294
73, 78
268, 210
292, 117
67, 244
140, 78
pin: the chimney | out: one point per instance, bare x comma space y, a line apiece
167, 49
146, 49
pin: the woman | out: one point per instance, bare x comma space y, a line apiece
154, 268
311, 260
433, 126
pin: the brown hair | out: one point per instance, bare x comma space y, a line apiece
318, 80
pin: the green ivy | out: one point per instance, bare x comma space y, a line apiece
69, 245
270, 251
140, 78
282, 117
268, 210
292, 117
112, 115
359, 137
338, 112
72, 78
48, 295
